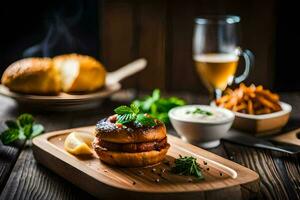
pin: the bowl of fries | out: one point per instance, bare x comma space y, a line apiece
256, 109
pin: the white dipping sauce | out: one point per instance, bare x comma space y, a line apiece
206, 114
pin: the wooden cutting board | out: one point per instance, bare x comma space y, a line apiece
291, 137
155, 182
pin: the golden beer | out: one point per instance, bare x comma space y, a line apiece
216, 70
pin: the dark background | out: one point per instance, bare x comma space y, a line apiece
49, 27
118, 31
287, 43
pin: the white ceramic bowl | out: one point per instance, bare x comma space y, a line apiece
262, 124
206, 134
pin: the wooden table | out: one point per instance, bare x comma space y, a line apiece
21, 177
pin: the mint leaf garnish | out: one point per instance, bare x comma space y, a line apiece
36, 130
156, 106
25, 119
125, 118
187, 166
200, 111
9, 135
145, 120
11, 124
135, 109
23, 128
126, 114
121, 110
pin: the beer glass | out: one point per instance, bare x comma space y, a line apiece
216, 52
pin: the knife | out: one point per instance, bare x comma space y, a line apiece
263, 144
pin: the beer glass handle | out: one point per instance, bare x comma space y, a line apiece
249, 61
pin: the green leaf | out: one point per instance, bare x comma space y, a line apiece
145, 120
187, 166
23, 128
177, 101
27, 130
11, 124
147, 103
123, 110
201, 112
135, 108
138, 103
162, 117
158, 107
164, 105
21, 134
9, 135
153, 108
36, 130
125, 118
25, 119
155, 94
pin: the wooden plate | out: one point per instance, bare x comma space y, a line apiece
64, 101
223, 178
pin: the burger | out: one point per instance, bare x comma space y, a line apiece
133, 142
69, 73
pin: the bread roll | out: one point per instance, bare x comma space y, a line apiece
79, 73
125, 159
32, 75
132, 145
108, 132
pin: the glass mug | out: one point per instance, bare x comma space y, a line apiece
216, 52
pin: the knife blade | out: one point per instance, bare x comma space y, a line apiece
263, 144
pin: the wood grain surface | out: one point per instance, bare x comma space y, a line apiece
8, 154
113, 182
279, 173
118, 50
30, 180
162, 31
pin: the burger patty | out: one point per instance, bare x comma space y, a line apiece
130, 147
107, 130
108, 126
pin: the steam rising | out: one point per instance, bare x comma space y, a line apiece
58, 37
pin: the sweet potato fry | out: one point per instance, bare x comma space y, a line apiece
223, 99
270, 96
259, 88
267, 103
250, 107
251, 100
240, 107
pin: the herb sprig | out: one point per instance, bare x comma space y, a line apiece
126, 114
23, 128
157, 106
200, 111
187, 166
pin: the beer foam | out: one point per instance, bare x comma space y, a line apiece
216, 58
